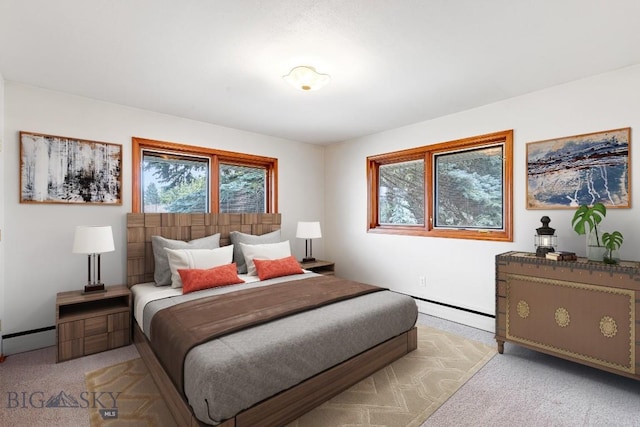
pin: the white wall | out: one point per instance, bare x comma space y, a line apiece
40, 262
461, 272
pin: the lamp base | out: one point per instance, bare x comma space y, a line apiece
308, 259
89, 289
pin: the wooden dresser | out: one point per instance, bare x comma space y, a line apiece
90, 323
580, 310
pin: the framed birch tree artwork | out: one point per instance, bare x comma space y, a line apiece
564, 173
56, 169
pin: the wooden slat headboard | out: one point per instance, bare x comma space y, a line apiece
141, 226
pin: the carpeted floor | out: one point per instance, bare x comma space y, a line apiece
519, 388
30, 380
403, 394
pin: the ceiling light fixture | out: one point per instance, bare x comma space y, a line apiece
306, 78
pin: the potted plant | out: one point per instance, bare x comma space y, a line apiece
612, 241
585, 222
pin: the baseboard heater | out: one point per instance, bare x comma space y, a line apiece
455, 307
32, 331
19, 342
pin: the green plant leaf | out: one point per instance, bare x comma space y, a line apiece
612, 241
587, 218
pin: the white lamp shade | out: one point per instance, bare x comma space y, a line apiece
308, 230
90, 239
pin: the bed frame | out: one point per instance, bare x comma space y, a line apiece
285, 406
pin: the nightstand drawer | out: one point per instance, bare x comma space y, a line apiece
118, 321
70, 330
119, 338
96, 343
95, 325
70, 349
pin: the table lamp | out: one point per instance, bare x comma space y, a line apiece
308, 231
93, 240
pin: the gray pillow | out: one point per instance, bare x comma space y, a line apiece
162, 272
237, 237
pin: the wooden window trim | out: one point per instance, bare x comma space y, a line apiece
427, 153
216, 157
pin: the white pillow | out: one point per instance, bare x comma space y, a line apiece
264, 251
237, 237
162, 272
186, 259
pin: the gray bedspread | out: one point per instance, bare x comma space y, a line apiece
229, 374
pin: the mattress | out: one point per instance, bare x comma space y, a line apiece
231, 373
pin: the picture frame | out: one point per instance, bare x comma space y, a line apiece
564, 173
57, 169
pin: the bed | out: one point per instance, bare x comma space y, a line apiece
278, 368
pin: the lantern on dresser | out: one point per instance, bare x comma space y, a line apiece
545, 239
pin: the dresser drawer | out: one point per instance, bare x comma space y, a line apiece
586, 322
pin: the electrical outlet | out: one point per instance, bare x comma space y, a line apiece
422, 281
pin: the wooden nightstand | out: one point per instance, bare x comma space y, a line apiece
91, 323
325, 268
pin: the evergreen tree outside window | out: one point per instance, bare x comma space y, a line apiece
402, 193
174, 183
468, 189
460, 189
169, 177
242, 189
151, 198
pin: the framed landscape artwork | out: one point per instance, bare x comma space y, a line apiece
56, 169
580, 170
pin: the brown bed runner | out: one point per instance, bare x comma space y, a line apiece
176, 330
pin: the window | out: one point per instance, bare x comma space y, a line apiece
169, 177
459, 189
468, 188
174, 183
242, 188
402, 193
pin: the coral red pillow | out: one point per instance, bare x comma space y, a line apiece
270, 268
197, 279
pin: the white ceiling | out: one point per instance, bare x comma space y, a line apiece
392, 62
